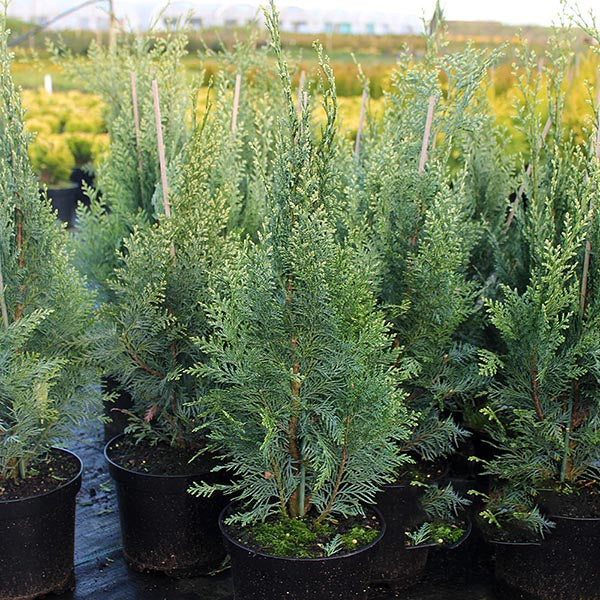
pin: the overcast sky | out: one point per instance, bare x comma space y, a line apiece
541, 12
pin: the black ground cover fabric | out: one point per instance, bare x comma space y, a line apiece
101, 573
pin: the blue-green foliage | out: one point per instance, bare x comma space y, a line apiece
305, 415
46, 367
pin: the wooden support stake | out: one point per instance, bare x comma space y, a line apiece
3, 308
363, 106
513, 208
588, 242
426, 134
136, 122
236, 102
161, 150
301, 89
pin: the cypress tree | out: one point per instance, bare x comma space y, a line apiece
47, 370
304, 414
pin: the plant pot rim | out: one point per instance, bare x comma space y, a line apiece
335, 557
460, 541
507, 543
116, 466
62, 486
581, 519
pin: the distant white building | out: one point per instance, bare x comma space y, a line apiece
297, 19
139, 14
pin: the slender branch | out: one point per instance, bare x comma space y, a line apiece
426, 134
567, 441
236, 102
515, 205
338, 483
21, 259
137, 359
136, 123
296, 509
536, 395
361, 119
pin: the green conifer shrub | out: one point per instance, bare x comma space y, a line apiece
543, 411
147, 335
304, 414
422, 229
47, 374
130, 196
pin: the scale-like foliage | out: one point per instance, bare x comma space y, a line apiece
46, 368
420, 226
544, 409
128, 177
147, 335
305, 415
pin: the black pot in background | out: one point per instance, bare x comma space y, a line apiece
112, 410
64, 201
78, 176
37, 542
259, 576
396, 564
563, 566
468, 559
164, 528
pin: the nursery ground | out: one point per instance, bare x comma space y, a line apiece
102, 574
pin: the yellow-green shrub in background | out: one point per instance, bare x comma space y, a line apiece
70, 131
42, 125
81, 145
52, 158
99, 147
85, 119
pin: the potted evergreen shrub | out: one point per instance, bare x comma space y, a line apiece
47, 375
543, 411
409, 203
303, 414
128, 179
146, 339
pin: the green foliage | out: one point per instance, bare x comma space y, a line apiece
131, 195
421, 228
305, 414
443, 507
435, 533
147, 334
47, 374
544, 409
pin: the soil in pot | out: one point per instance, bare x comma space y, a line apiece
562, 566
258, 574
164, 528
116, 418
37, 527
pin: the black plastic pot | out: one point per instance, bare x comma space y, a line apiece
164, 528
457, 561
259, 576
117, 420
396, 564
79, 176
64, 201
564, 566
37, 542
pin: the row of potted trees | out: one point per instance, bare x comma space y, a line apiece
308, 340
